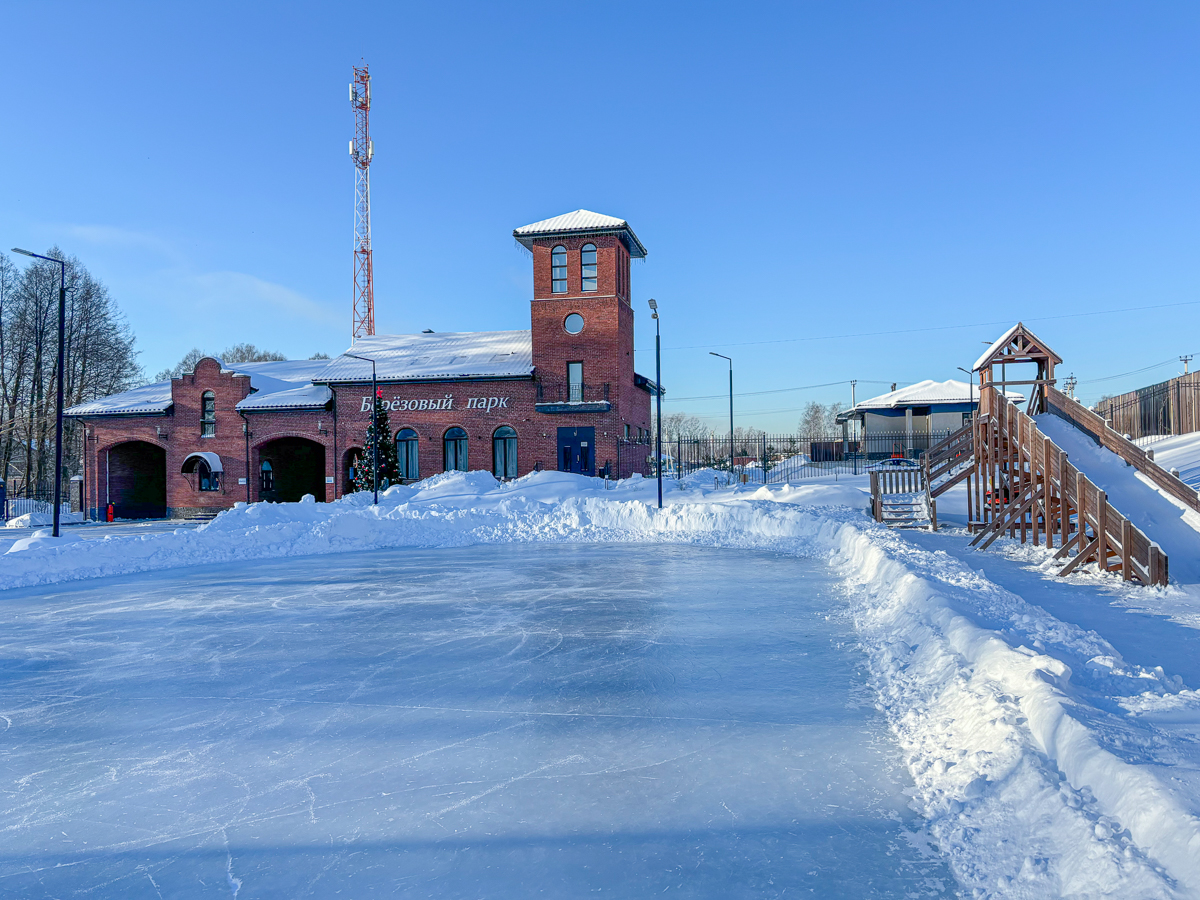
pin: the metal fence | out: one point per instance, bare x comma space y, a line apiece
1158, 411
32, 500
776, 458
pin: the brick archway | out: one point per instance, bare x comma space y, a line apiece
136, 480
297, 467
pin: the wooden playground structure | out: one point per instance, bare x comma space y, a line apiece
1020, 483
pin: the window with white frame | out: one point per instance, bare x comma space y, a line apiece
558, 270
587, 261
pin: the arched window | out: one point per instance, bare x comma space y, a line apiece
406, 454
207, 469
558, 269
208, 414
454, 451
209, 480
587, 259
266, 477
504, 452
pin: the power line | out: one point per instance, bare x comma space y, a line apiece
806, 387
833, 337
1156, 365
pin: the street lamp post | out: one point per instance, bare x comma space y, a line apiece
58, 424
970, 388
658, 396
723, 356
374, 425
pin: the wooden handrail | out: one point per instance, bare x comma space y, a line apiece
1086, 420
1028, 485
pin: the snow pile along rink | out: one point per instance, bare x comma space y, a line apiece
1005, 714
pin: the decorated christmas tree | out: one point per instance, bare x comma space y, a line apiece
389, 466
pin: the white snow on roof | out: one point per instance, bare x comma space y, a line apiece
927, 393
995, 347
1000, 343
291, 377
308, 396
462, 354
144, 400
278, 375
582, 220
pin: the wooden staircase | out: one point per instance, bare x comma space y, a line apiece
1023, 485
900, 498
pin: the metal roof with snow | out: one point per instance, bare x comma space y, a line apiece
417, 357
581, 221
924, 393
286, 380
149, 399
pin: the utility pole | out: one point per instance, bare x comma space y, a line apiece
1185, 360
362, 149
1070, 385
853, 401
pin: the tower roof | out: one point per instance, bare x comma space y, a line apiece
582, 221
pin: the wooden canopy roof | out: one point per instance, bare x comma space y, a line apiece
1017, 345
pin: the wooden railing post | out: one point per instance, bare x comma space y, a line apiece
1126, 549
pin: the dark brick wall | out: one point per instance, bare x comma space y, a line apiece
605, 346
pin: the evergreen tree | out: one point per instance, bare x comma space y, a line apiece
389, 465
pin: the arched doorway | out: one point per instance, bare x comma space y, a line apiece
136, 482
289, 468
350, 461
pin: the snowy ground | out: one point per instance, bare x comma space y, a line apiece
96, 530
491, 721
1050, 726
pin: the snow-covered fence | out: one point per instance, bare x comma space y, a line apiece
21, 506
778, 458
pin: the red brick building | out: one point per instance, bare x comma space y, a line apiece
562, 395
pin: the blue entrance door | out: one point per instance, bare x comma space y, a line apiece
577, 450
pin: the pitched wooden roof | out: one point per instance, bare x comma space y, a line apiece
1018, 344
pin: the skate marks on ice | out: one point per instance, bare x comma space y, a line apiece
486, 721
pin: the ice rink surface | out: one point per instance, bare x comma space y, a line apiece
553, 720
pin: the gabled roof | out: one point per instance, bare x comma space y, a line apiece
1026, 344
463, 354
924, 393
582, 221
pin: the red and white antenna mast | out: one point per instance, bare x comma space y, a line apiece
361, 150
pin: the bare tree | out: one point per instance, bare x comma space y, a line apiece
238, 353
817, 419
244, 353
679, 425
100, 359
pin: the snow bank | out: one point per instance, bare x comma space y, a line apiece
37, 519
1006, 742
1181, 452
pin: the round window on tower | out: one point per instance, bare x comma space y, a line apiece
573, 323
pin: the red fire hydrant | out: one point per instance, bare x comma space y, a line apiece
110, 512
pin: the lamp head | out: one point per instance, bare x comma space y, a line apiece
653, 305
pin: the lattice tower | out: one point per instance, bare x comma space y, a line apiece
361, 151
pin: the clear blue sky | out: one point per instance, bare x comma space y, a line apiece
819, 184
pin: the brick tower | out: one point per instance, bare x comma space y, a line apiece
582, 323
